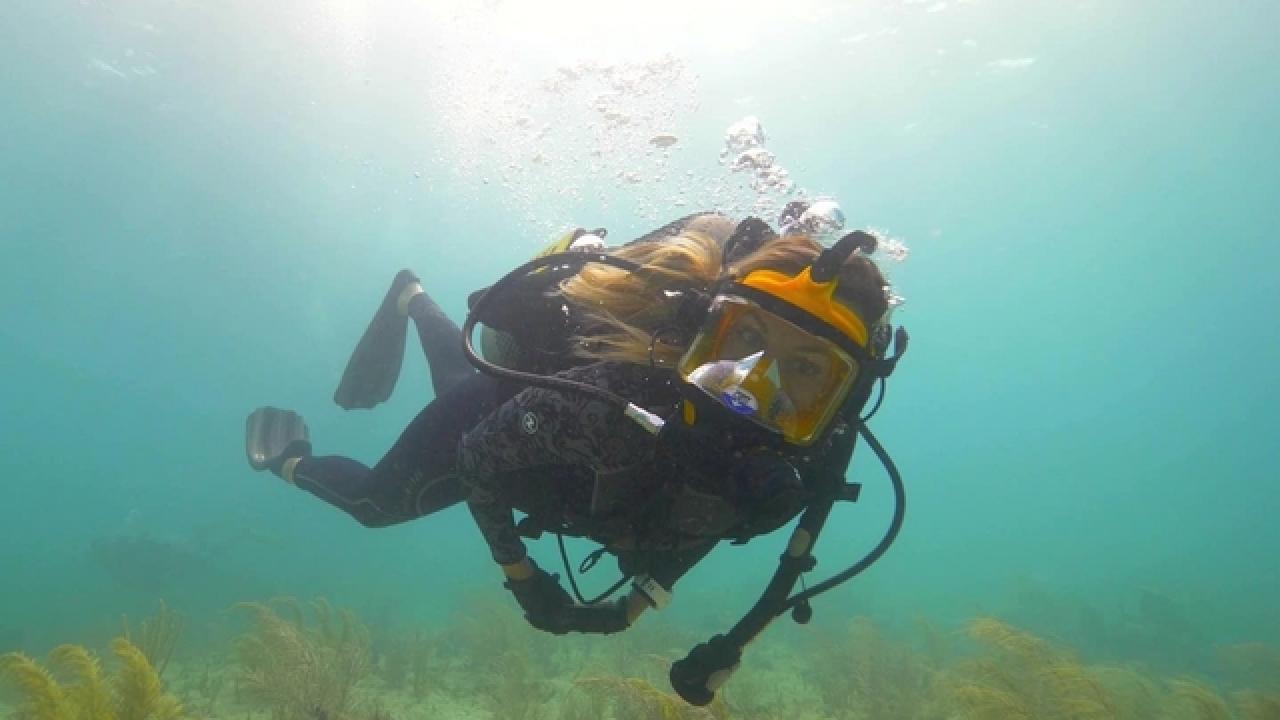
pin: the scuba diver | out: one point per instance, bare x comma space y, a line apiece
702, 383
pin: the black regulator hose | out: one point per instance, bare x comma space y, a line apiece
891, 534
697, 677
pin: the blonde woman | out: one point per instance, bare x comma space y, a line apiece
757, 343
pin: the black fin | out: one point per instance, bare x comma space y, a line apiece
269, 432
374, 366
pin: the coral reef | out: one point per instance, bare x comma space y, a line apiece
310, 661
1199, 701
1023, 676
74, 687
1158, 627
1251, 665
156, 636
407, 661
205, 683
1258, 706
301, 671
1020, 675
860, 673
638, 699
501, 661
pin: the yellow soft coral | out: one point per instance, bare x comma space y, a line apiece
1024, 676
1258, 706
43, 698
298, 671
135, 694
638, 698
90, 694
139, 693
980, 702
1201, 700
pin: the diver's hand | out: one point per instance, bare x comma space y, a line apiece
549, 608
601, 619
542, 599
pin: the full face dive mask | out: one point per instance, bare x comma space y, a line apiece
781, 351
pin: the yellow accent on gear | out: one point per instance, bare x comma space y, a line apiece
560, 245
817, 299
690, 413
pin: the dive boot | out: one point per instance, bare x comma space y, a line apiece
374, 367
272, 435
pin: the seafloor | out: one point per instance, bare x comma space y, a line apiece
287, 659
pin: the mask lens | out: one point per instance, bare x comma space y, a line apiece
768, 370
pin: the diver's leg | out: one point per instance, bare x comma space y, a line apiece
416, 477
441, 343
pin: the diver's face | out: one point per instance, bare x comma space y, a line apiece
805, 365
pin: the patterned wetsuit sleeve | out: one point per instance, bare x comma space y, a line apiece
540, 428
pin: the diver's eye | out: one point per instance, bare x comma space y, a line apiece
748, 336
802, 367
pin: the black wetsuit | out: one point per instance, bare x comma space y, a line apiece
572, 462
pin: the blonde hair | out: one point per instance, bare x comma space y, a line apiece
628, 315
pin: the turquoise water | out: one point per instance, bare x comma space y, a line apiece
202, 202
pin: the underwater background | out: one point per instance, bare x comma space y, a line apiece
202, 202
